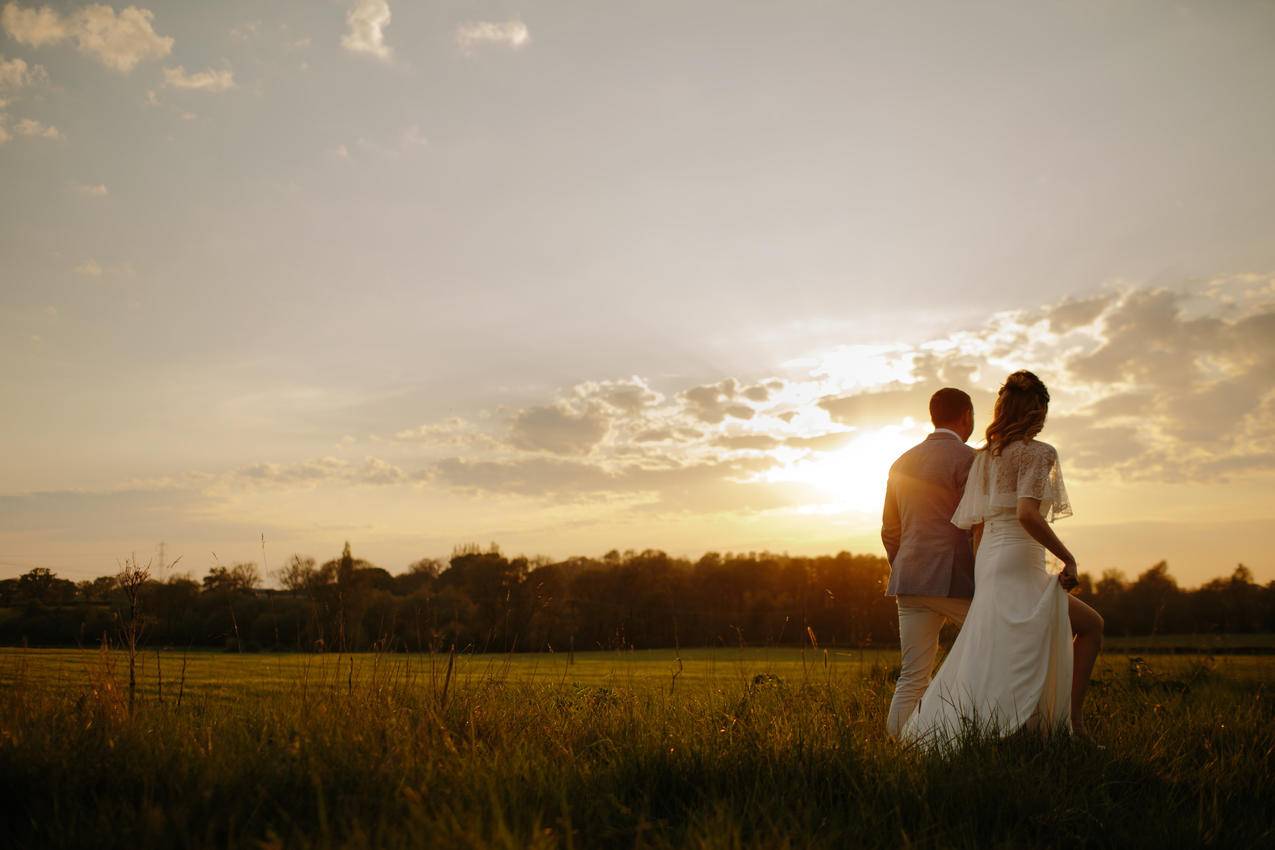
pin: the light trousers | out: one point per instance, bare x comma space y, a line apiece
920, 619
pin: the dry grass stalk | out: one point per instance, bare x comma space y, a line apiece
131, 579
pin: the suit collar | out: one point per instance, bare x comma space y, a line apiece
945, 434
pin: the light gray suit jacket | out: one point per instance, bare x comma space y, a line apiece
928, 555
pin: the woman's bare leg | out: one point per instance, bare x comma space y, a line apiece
1087, 624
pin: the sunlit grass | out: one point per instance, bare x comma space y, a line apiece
722, 748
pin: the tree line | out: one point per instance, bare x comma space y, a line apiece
481, 600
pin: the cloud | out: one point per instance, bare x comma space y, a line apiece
5, 135
621, 444
16, 74
1073, 313
761, 392
367, 21
526, 477
666, 434
34, 129
407, 140
120, 41
453, 431
711, 403
1149, 384
412, 137
754, 442
872, 409
92, 268
1189, 391
34, 27
208, 80
559, 429
92, 190
831, 441
246, 31
474, 34
672, 487
376, 471
654, 435
627, 397
117, 40
373, 471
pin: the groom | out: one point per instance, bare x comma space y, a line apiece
931, 560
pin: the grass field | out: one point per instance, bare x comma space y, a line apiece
702, 748
1200, 643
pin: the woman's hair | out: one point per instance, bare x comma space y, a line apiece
1021, 407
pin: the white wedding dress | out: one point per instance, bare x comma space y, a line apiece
1011, 663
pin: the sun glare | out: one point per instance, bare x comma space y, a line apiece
852, 478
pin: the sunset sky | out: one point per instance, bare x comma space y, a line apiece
574, 276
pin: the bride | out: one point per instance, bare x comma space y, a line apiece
1014, 662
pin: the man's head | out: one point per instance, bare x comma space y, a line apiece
952, 409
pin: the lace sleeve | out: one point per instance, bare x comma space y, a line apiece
1040, 477
975, 502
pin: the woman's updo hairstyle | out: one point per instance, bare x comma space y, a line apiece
1021, 407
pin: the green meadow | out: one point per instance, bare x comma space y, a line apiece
717, 748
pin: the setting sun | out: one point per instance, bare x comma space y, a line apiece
852, 477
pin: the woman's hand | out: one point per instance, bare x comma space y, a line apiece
1068, 578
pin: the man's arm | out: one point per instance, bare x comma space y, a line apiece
891, 527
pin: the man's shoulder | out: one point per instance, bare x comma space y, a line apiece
948, 446
959, 456
909, 456
932, 451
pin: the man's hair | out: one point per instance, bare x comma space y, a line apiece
948, 405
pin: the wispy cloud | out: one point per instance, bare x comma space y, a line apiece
309, 473
89, 268
1149, 385
120, 41
31, 128
412, 137
453, 431
16, 74
92, 190
208, 80
509, 34
407, 140
366, 23
246, 31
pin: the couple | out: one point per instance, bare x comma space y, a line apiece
966, 533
